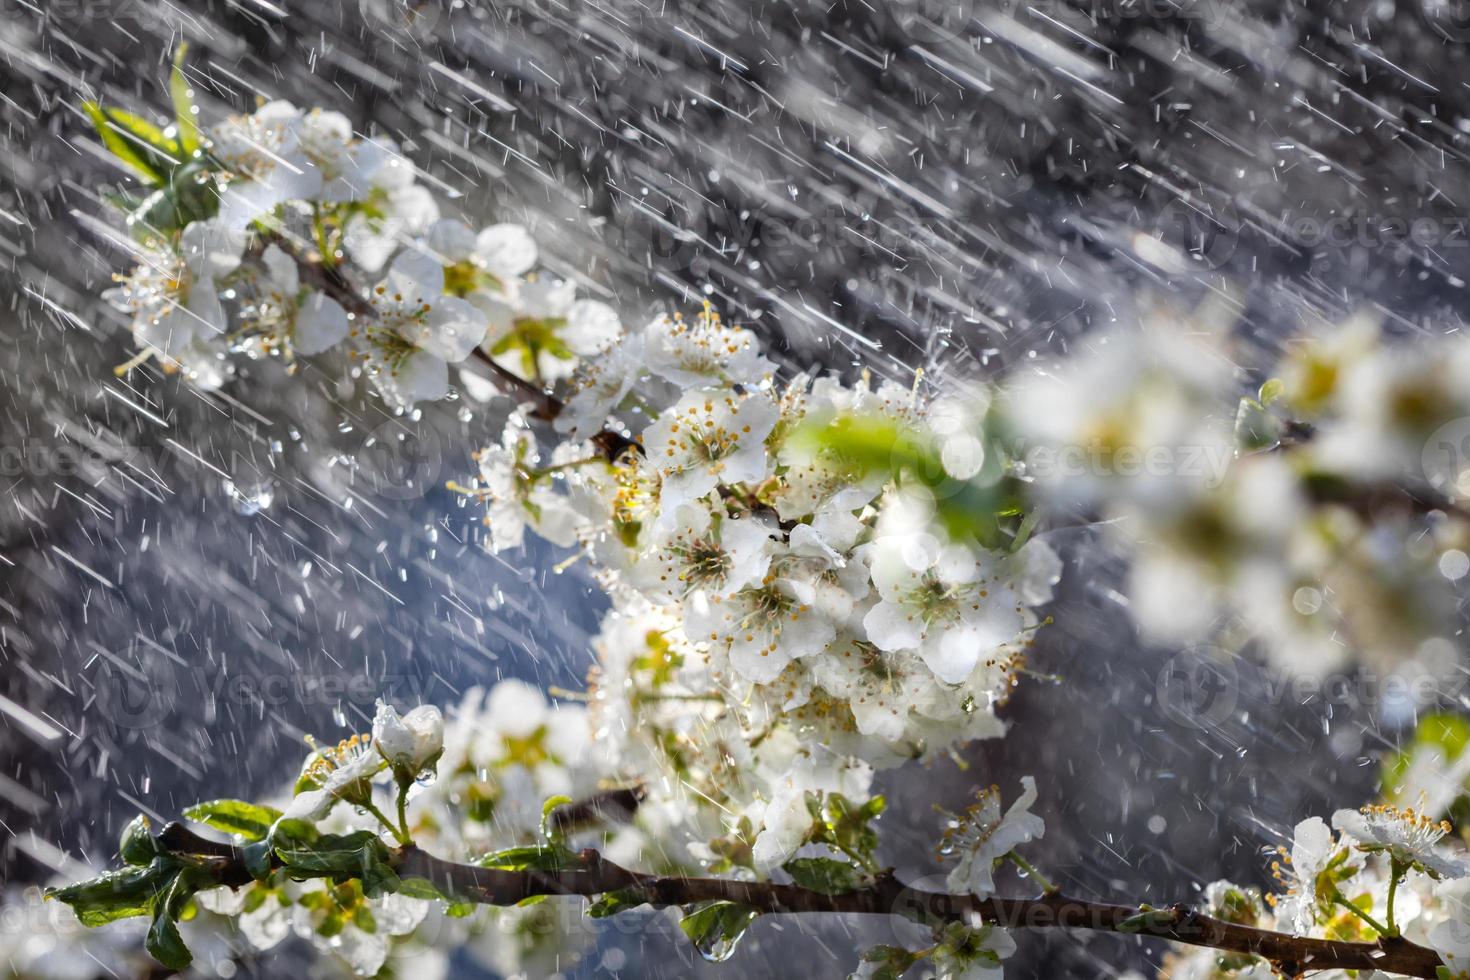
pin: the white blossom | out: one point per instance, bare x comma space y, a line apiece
410, 742
982, 836
1410, 838
709, 438
1312, 847
341, 772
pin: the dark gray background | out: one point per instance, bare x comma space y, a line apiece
888, 185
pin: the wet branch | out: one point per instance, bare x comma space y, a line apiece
1292, 955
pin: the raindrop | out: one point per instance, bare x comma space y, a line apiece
249, 499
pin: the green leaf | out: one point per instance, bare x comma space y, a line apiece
1148, 919
716, 927
846, 826
891, 962
1271, 391
136, 845
164, 943
866, 444
1256, 428
249, 820
183, 100
612, 903
824, 875
548, 828
422, 888
291, 832
121, 147
118, 894
532, 857
379, 880
259, 859
137, 142
359, 854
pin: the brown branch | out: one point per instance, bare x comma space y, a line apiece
885, 896
330, 280
609, 806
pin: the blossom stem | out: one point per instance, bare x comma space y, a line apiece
1027, 868
398, 833
1396, 872
406, 837
1378, 927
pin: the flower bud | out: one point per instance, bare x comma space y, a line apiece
411, 743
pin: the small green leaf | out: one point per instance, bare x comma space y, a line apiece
361, 854
614, 902
1271, 391
137, 142
249, 820
889, 962
120, 147
1148, 919
183, 100
716, 927
164, 943
846, 826
532, 857
824, 875
548, 828
422, 888
136, 845
259, 859
1256, 428
118, 894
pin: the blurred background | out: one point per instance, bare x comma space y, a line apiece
190, 583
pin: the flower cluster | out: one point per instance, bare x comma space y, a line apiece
247, 224
473, 783
768, 588
1319, 517
1386, 872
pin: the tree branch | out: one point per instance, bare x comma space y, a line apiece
885, 896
